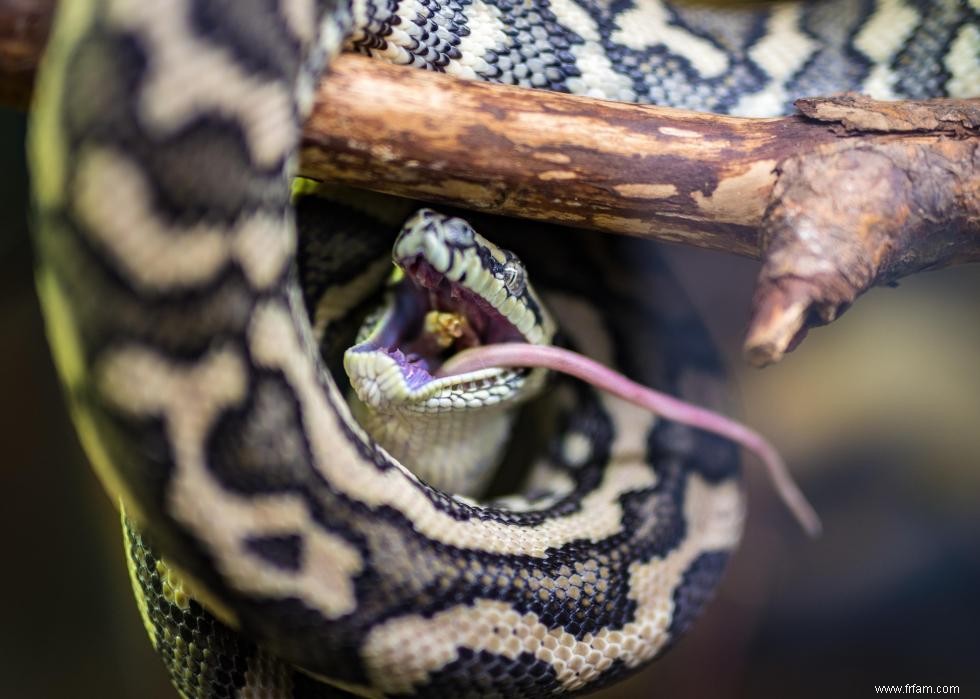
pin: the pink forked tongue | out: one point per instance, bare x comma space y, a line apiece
517, 354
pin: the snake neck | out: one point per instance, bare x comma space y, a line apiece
458, 454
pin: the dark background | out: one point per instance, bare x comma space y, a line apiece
878, 415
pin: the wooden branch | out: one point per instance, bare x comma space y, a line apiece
695, 178
24, 28
898, 193
848, 194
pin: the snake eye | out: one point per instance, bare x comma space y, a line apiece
514, 277
457, 232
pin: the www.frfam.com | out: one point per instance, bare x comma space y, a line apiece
917, 689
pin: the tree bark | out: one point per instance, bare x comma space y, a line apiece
24, 26
846, 194
694, 178
897, 192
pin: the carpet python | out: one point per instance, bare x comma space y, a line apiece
162, 140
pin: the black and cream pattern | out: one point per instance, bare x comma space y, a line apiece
701, 57
162, 142
672, 495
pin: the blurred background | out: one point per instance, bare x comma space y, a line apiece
877, 415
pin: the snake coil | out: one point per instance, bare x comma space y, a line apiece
162, 144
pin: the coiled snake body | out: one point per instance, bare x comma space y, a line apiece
161, 147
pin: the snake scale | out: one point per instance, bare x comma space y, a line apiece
163, 136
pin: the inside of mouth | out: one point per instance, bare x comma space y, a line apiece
408, 335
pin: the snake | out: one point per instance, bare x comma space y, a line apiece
197, 310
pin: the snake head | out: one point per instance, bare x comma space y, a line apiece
454, 290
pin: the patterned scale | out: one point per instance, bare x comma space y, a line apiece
674, 351
162, 146
703, 56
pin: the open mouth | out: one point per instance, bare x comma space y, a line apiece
430, 318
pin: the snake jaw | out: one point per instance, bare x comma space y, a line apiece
426, 319
445, 254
